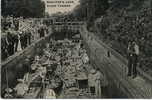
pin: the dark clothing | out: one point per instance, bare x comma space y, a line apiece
133, 52
41, 32
11, 44
47, 31
29, 38
132, 65
25, 40
15, 42
4, 47
92, 90
22, 41
108, 53
16, 23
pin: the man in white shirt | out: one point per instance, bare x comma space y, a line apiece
21, 88
133, 53
98, 83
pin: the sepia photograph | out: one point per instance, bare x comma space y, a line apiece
76, 49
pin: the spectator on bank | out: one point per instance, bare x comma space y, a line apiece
12, 26
4, 47
85, 58
21, 88
98, 83
29, 35
133, 52
15, 37
41, 32
21, 34
16, 23
19, 47
25, 38
10, 43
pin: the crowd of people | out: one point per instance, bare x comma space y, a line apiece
18, 33
63, 64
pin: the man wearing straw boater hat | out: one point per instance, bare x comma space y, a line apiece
21, 88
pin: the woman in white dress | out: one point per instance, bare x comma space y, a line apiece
49, 93
19, 44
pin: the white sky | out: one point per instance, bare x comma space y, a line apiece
52, 10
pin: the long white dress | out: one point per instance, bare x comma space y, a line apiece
99, 78
19, 44
49, 94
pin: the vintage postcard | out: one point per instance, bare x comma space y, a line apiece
76, 49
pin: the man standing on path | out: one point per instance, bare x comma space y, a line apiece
133, 52
98, 83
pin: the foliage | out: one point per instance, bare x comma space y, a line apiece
90, 9
25, 8
121, 21
126, 24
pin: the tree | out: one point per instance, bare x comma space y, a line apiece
89, 10
25, 8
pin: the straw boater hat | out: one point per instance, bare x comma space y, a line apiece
37, 58
9, 90
93, 71
20, 80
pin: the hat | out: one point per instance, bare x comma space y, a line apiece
9, 90
93, 71
37, 58
44, 64
20, 32
20, 80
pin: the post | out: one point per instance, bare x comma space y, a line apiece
7, 80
